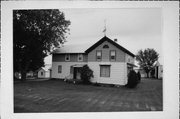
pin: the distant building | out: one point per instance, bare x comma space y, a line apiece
30, 74
157, 71
44, 72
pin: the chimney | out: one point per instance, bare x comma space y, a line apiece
115, 40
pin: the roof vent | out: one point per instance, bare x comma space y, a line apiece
115, 40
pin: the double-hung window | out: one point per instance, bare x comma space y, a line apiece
67, 57
59, 69
104, 70
98, 55
112, 55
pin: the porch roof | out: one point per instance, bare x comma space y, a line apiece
132, 65
78, 65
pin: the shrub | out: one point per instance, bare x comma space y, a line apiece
132, 79
86, 74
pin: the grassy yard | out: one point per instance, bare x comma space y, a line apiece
59, 96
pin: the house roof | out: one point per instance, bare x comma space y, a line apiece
156, 63
86, 48
45, 68
72, 48
105, 38
130, 64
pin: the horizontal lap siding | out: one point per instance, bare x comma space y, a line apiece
129, 59
118, 73
73, 58
120, 55
65, 69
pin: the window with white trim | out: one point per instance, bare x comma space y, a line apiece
112, 55
59, 69
80, 57
104, 70
67, 57
98, 55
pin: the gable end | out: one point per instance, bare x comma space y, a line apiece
112, 42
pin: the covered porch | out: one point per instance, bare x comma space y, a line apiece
74, 72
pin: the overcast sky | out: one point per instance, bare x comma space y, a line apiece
135, 29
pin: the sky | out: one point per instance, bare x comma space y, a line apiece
135, 28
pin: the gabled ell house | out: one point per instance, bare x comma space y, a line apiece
109, 61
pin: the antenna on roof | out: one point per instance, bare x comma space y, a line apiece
104, 31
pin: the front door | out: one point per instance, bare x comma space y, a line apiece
157, 72
76, 73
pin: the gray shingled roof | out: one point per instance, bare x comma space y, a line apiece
72, 48
84, 48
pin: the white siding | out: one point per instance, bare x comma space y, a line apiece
65, 69
129, 59
160, 71
118, 73
47, 74
39, 73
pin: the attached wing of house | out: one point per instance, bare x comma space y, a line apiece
109, 61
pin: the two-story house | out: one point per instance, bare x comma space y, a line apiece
109, 61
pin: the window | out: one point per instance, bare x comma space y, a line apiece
80, 57
41, 73
104, 70
67, 57
105, 46
59, 69
112, 55
98, 55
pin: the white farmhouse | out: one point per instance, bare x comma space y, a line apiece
109, 61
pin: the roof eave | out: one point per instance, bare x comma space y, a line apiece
70, 53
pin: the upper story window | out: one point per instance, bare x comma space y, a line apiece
112, 55
105, 46
98, 55
80, 57
67, 57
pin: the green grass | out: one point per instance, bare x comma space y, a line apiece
59, 96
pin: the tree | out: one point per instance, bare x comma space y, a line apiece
35, 34
146, 59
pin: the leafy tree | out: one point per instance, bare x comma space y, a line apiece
35, 34
146, 59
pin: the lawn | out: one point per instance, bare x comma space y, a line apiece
59, 96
